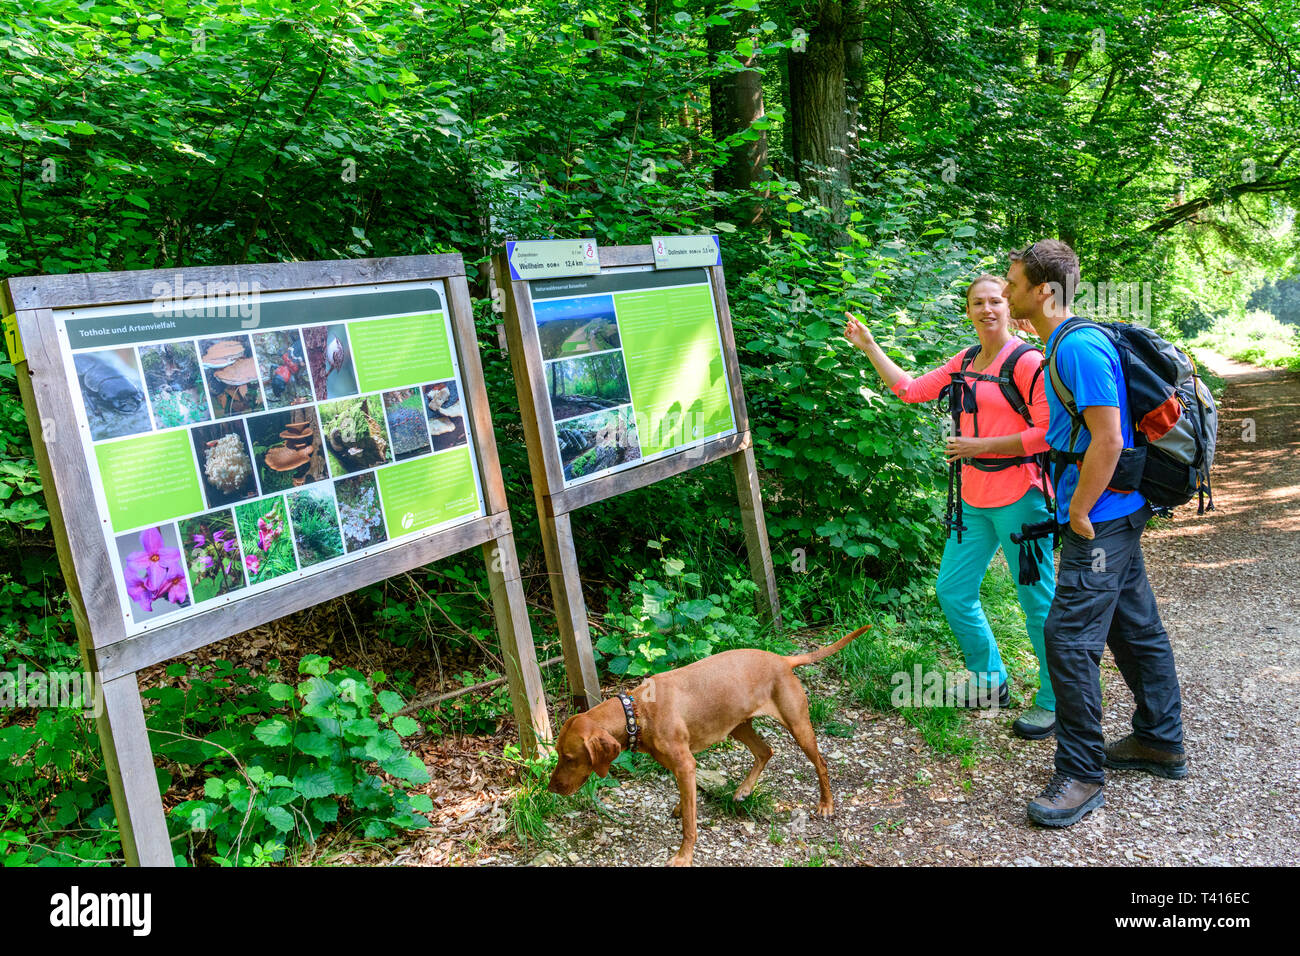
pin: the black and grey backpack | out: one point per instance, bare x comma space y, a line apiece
1175, 421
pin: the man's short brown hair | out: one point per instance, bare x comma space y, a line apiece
1050, 260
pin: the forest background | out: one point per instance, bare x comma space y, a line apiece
852, 154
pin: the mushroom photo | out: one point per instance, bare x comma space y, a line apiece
231, 372
446, 414
287, 448
225, 464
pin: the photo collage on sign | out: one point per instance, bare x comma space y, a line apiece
271, 458
586, 381
633, 367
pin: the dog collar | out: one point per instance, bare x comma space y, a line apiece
629, 716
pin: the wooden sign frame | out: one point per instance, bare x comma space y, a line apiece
555, 503
113, 656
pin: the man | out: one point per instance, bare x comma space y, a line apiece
1102, 593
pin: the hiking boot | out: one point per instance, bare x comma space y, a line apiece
1129, 753
1035, 724
971, 696
1065, 801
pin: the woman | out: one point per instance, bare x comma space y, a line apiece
1001, 489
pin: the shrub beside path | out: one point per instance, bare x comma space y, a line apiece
1228, 583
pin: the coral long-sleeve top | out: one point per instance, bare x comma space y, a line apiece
995, 417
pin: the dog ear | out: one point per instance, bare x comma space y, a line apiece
602, 748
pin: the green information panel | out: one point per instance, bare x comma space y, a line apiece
428, 491
246, 443
634, 367
153, 478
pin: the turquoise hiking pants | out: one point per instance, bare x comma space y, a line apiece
963, 568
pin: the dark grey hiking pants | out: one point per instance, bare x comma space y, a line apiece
1103, 597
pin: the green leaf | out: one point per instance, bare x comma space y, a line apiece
383, 746
314, 745
405, 726
421, 802
273, 732
390, 702
313, 783
315, 665
695, 610
359, 728
406, 767
279, 817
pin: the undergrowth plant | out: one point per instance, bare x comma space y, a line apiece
662, 624
308, 763
532, 805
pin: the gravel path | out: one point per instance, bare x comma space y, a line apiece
1227, 586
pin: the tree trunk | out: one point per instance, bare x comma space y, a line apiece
819, 110
853, 84
736, 102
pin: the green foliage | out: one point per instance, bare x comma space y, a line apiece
1281, 298
672, 622
759, 805
1256, 337
22, 507
846, 465
281, 762
54, 807
54, 801
532, 805
869, 667
476, 713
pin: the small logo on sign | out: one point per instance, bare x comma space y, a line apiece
408, 519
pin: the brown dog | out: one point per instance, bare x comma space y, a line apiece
681, 712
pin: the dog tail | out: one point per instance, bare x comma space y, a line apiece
813, 657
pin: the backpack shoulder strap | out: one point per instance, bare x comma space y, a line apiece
968, 356
1010, 391
1058, 385
1062, 392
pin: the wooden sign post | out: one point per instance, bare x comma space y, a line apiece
222, 446
625, 377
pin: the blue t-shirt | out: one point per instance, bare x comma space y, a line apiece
1089, 367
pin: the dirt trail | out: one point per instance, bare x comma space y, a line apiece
1228, 585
